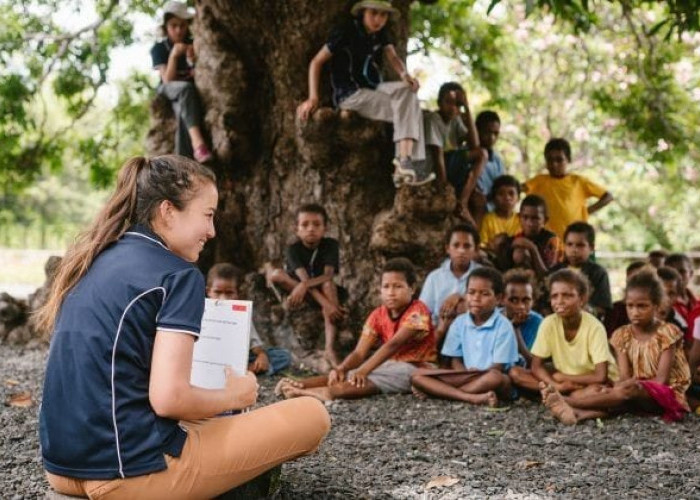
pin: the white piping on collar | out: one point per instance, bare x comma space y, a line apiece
134, 233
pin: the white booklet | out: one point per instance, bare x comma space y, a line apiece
224, 340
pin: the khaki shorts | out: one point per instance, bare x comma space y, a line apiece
392, 377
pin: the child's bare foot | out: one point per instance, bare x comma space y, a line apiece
560, 409
545, 391
487, 398
320, 393
418, 393
287, 382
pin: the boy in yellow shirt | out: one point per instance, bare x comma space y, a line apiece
503, 220
566, 194
574, 339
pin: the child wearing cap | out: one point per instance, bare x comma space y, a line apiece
356, 50
174, 59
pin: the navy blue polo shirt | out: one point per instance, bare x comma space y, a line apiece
357, 58
96, 421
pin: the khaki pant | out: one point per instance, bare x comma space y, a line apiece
396, 103
219, 454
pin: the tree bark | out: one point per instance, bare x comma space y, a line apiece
252, 66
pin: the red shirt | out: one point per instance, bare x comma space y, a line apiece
380, 327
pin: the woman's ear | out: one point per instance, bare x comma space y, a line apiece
165, 211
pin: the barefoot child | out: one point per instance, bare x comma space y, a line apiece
654, 373
311, 264
503, 220
174, 58
573, 338
223, 282
452, 145
461, 244
356, 50
481, 345
401, 329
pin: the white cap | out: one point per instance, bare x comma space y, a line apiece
178, 9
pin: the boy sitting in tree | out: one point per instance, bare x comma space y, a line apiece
446, 131
311, 264
401, 331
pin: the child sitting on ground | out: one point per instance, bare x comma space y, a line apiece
617, 316
355, 50
654, 373
579, 244
481, 345
505, 195
223, 283
517, 307
401, 329
573, 338
461, 244
446, 131
534, 247
174, 59
566, 194
685, 301
311, 264
671, 281
657, 258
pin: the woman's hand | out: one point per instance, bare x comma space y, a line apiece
242, 389
307, 108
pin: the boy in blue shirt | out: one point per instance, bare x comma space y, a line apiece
481, 345
461, 246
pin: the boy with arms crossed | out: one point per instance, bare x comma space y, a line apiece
311, 264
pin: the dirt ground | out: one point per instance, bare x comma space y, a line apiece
395, 446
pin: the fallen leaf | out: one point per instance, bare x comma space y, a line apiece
20, 400
11, 382
599, 423
441, 481
529, 464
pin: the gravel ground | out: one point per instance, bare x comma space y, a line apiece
392, 447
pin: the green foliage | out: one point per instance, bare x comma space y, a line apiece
72, 59
622, 94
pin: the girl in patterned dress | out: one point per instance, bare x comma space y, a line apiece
654, 372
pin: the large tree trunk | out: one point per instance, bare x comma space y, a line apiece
251, 73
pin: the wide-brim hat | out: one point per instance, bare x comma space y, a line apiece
374, 4
178, 9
